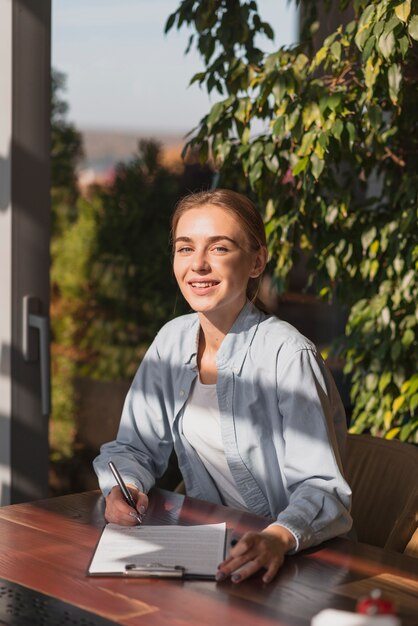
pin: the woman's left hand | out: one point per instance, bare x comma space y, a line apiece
255, 551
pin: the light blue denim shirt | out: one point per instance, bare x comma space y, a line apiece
282, 424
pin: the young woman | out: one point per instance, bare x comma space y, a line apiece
246, 400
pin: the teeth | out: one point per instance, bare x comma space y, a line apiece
202, 285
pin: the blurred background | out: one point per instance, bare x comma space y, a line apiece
121, 109
307, 107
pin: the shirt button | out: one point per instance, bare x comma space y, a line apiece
181, 394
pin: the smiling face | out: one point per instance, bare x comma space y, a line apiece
213, 261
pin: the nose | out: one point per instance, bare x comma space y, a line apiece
200, 262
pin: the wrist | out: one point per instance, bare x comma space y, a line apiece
286, 538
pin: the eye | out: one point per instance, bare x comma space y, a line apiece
220, 249
183, 250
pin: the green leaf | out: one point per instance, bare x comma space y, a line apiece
337, 129
243, 110
413, 27
336, 50
170, 21
307, 143
256, 151
368, 48
331, 265
300, 166
215, 113
317, 165
403, 45
333, 101
279, 126
279, 88
371, 72
319, 57
363, 26
292, 119
384, 381
392, 433
374, 268
366, 16
386, 44
397, 403
200, 76
351, 133
311, 115
394, 80
223, 151
255, 173
203, 152
403, 10
391, 24
371, 381
406, 431
408, 338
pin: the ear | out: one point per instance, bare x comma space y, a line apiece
260, 262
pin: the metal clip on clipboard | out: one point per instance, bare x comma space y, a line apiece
154, 570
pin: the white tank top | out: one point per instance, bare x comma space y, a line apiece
202, 429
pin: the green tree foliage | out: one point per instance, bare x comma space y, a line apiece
66, 153
335, 171
132, 290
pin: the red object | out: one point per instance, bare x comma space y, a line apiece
375, 604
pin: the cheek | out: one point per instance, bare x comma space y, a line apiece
178, 270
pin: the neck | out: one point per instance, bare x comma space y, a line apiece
215, 328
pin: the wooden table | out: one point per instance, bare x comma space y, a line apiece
47, 546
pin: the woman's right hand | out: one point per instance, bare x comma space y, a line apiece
118, 510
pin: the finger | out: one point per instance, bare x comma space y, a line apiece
119, 511
245, 544
272, 570
250, 568
272, 564
141, 502
232, 564
125, 517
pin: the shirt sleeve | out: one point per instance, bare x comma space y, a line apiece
144, 442
313, 433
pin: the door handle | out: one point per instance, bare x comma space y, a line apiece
35, 346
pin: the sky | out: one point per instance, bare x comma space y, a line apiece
124, 74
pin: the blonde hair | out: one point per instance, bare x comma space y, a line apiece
238, 206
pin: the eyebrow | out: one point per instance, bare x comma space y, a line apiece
213, 239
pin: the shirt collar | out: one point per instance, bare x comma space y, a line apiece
235, 345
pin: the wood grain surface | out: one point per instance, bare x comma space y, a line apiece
47, 546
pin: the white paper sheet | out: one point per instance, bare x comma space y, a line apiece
199, 549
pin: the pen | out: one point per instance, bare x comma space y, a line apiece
125, 491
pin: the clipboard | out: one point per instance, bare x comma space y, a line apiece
175, 552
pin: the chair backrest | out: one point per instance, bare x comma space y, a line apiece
384, 478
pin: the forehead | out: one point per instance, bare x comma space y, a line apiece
208, 220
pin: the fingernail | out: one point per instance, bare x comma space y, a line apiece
142, 509
136, 516
236, 578
220, 576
